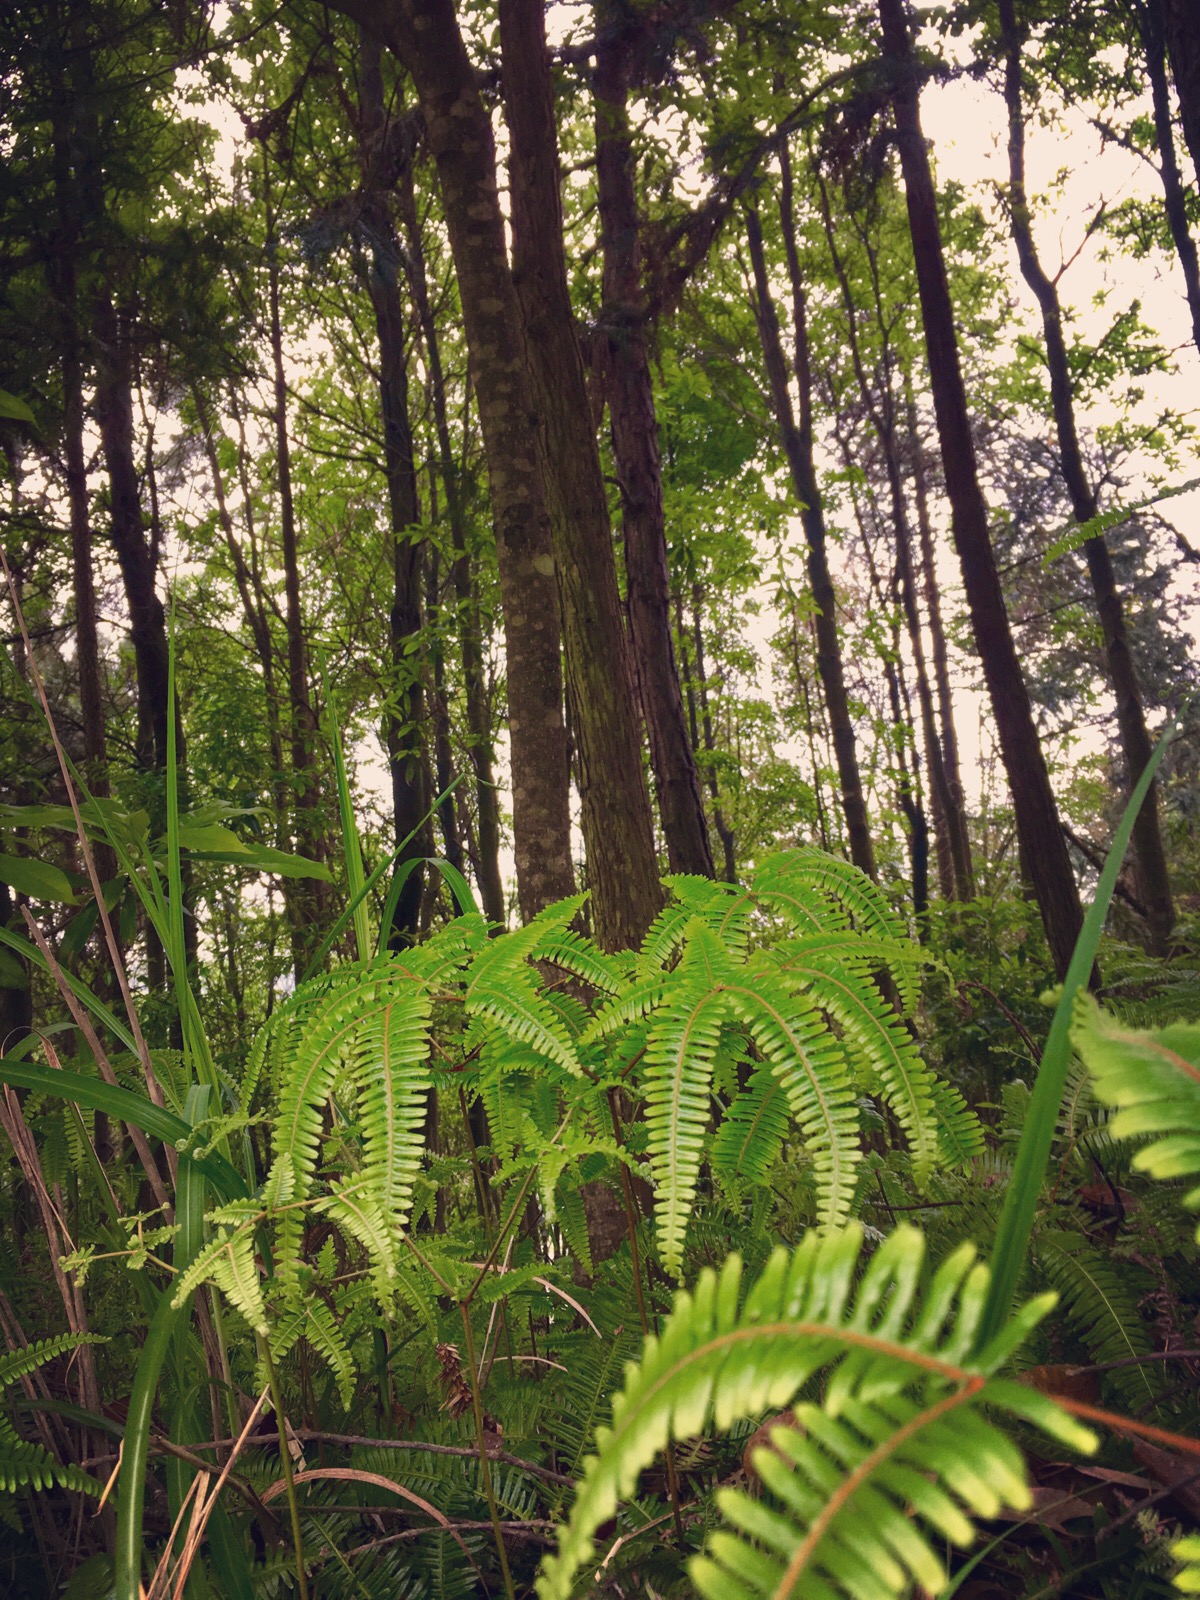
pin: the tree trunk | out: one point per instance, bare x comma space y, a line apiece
1153, 878
629, 390
1150, 24
406, 700
138, 562
424, 36
1043, 848
305, 900
705, 730
1181, 24
953, 846
615, 804
939, 651
470, 630
797, 447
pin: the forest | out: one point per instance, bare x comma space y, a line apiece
599, 799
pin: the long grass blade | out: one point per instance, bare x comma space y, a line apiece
1033, 1153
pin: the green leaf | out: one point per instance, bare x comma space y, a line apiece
38, 879
16, 410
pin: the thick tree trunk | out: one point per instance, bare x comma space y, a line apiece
1150, 23
629, 389
470, 629
797, 448
615, 804
1043, 849
1181, 24
406, 701
1136, 745
424, 36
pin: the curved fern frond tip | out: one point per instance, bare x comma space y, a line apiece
853, 1510
1152, 1080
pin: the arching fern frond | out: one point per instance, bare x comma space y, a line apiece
25, 1464
1153, 1080
896, 1370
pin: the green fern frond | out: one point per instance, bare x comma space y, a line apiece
878, 1045
1187, 1552
228, 1260
19, 1363
810, 1064
752, 1132
1153, 1081
1097, 1302
959, 1130
813, 891
680, 1046
895, 1367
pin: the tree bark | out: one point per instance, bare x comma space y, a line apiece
1151, 25
1136, 745
1181, 24
406, 700
424, 36
615, 804
1043, 849
797, 448
629, 390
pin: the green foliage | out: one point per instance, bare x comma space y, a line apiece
903, 1394
24, 1463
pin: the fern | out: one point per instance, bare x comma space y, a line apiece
23, 1463
900, 1385
1096, 1301
1153, 1081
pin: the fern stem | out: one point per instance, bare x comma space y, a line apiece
285, 1462
485, 1469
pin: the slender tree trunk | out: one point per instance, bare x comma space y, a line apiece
1043, 849
1153, 878
797, 447
424, 36
615, 804
1181, 25
406, 707
148, 629
443, 757
939, 652
470, 629
700, 693
629, 390
305, 900
953, 846
1150, 24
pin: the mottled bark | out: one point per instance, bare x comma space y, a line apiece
1136, 745
1043, 850
797, 448
629, 390
424, 36
614, 801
